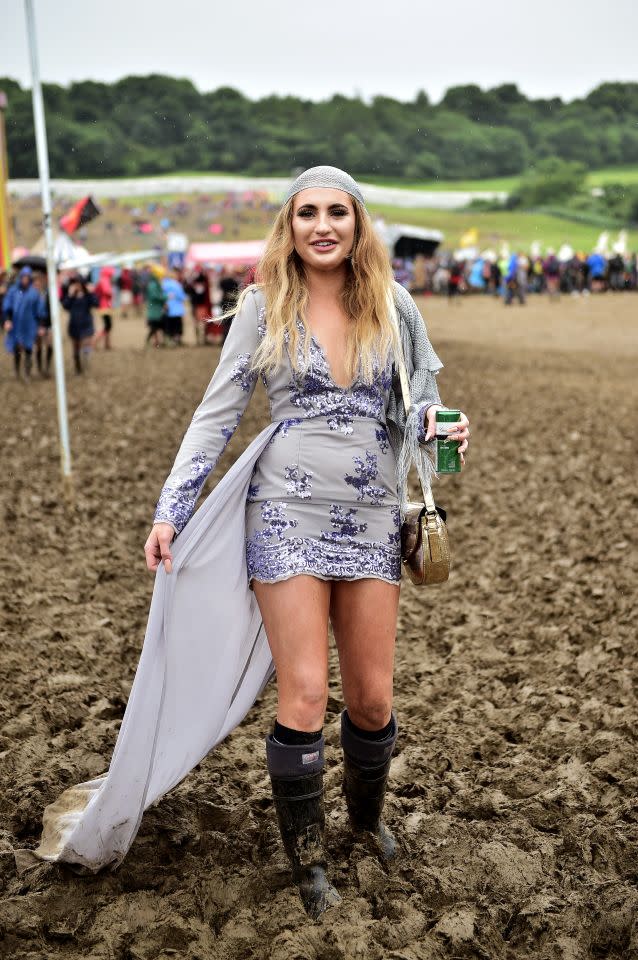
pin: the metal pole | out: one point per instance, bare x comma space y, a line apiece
43, 168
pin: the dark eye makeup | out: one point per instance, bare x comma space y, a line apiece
311, 211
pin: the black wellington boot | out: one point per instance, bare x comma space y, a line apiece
296, 774
366, 765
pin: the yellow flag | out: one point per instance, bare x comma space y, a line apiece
5, 226
470, 237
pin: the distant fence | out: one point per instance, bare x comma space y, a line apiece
158, 186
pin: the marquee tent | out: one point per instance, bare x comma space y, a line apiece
244, 253
404, 240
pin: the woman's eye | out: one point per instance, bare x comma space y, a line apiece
338, 212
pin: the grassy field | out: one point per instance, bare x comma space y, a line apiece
494, 184
517, 228
596, 178
626, 175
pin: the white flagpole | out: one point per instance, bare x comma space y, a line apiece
43, 168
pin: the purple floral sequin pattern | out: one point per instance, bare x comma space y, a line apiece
176, 504
341, 422
276, 522
298, 482
284, 427
261, 323
325, 560
313, 391
261, 333
241, 374
383, 439
344, 523
366, 471
227, 432
394, 538
310, 393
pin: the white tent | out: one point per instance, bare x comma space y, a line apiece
64, 249
404, 240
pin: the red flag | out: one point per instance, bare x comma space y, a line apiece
83, 212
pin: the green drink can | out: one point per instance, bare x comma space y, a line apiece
448, 459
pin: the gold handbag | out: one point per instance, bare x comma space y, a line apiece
425, 548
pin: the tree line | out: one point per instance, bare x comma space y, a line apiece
154, 124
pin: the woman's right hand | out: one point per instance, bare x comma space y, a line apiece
157, 548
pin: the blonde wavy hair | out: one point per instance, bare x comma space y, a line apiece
281, 278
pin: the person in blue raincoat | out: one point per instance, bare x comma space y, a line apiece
515, 280
477, 278
23, 309
597, 270
175, 305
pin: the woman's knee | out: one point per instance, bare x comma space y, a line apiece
370, 709
303, 706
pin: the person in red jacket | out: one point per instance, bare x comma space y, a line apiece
104, 293
125, 283
198, 290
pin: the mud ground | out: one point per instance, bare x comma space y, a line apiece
514, 784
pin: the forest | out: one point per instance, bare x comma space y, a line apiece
144, 125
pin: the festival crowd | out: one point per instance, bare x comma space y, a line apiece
165, 296
162, 295
516, 275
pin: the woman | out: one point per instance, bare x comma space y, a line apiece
175, 300
79, 301
104, 294
229, 286
322, 510
155, 305
22, 310
199, 292
44, 341
125, 286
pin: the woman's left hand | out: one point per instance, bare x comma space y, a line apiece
460, 433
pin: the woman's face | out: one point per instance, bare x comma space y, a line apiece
323, 227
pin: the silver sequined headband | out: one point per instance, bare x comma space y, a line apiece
331, 177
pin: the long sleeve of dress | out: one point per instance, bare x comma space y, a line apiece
421, 359
214, 421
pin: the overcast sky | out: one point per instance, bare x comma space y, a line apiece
548, 47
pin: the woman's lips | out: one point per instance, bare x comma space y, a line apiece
323, 246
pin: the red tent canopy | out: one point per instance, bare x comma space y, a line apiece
243, 253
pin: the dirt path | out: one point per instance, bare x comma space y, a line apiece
515, 780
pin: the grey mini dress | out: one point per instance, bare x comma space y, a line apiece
322, 500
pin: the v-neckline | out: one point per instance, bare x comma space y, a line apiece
329, 367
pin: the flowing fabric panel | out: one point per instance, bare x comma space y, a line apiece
204, 662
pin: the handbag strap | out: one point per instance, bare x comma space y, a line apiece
405, 391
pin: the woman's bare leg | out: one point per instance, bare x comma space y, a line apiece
295, 615
364, 616
364, 621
